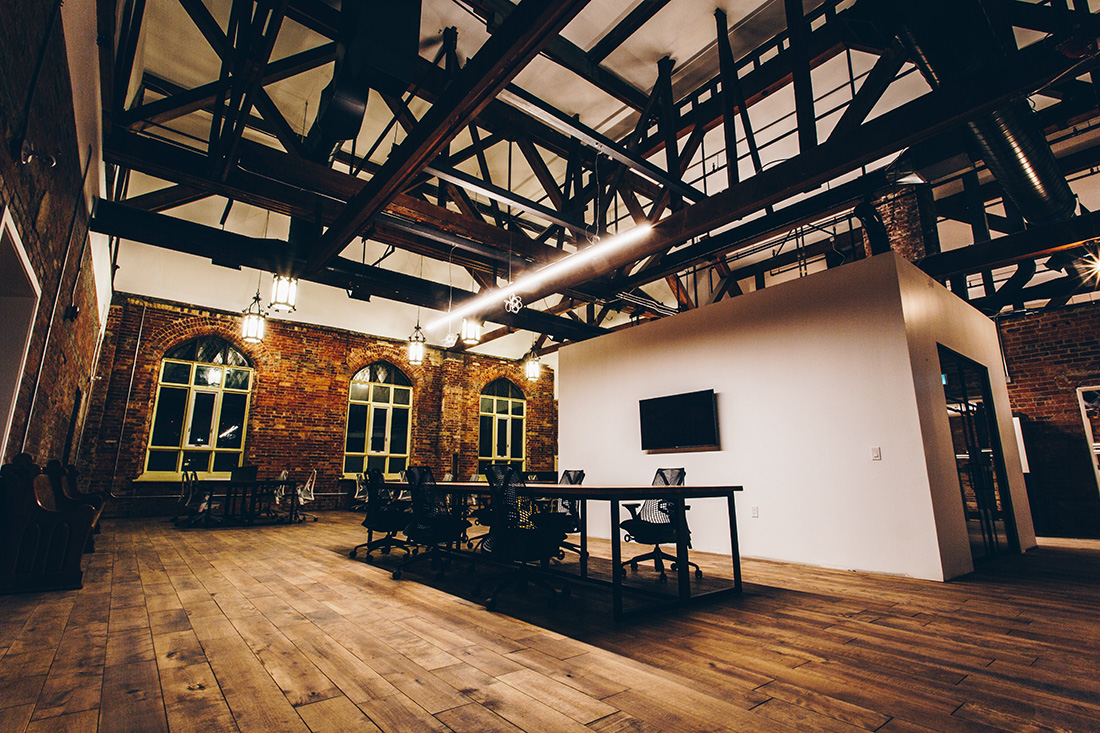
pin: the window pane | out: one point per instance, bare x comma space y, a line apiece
237, 378
399, 431
168, 423
486, 404
517, 408
359, 392
224, 462
162, 460
402, 396
485, 438
502, 439
378, 430
208, 376
202, 419
502, 407
183, 352
196, 460
235, 357
210, 350
517, 438
378, 462
397, 464
353, 464
176, 373
357, 429
231, 423
381, 394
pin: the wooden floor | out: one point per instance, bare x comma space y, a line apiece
276, 629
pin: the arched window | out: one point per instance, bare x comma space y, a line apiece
201, 409
502, 416
379, 424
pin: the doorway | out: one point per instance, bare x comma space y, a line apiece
19, 293
1088, 398
987, 505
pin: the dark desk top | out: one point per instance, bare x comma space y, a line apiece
608, 492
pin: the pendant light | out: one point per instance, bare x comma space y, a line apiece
284, 293
252, 325
471, 331
416, 345
532, 367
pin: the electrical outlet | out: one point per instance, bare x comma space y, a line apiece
876, 453
755, 511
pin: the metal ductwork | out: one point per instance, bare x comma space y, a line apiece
949, 39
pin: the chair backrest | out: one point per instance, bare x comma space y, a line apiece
573, 477
305, 491
376, 493
669, 477
659, 511
428, 502
361, 483
509, 512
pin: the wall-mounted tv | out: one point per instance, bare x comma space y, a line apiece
680, 422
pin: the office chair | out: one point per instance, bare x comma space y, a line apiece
433, 525
565, 518
650, 523
513, 537
305, 495
385, 515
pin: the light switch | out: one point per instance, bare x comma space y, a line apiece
876, 453
754, 510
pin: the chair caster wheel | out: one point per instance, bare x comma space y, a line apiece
490, 604
352, 554
664, 578
698, 574
396, 575
368, 560
634, 566
385, 550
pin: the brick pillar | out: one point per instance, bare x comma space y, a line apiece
909, 214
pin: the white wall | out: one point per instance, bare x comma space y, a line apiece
810, 375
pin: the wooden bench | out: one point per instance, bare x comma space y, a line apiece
41, 544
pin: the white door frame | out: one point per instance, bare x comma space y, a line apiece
20, 294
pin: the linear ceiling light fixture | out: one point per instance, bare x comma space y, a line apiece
529, 283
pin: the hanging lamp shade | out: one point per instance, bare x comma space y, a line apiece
252, 325
532, 367
284, 293
416, 346
471, 331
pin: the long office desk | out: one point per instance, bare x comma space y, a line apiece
616, 495
241, 501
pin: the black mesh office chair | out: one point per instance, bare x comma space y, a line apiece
433, 525
650, 523
565, 518
513, 537
385, 515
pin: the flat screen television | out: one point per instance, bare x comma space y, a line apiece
680, 422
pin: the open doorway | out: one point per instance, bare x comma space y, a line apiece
1089, 400
19, 294
987, 505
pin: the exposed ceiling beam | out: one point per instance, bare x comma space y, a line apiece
520, 37
639, 16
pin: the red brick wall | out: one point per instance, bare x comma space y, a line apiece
51, 218
909, 215
1049, 355
299, 401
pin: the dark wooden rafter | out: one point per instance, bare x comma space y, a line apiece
680, 292
167, 198
669, 124
798, 32
253, 31
567, 55
979, 225
129, 34
880, 77
639, 16
480, 146
287, 137
187, 101
521, 36
106, 31
727, 283
920, 119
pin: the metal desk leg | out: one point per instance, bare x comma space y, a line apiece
683, 570
616, 563
735, 550
582, 508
